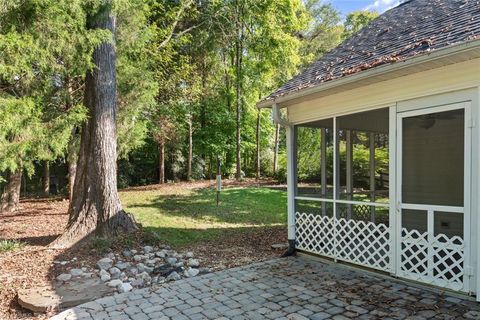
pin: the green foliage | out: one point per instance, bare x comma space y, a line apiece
324, 31
10, 245
175, 69
357, 20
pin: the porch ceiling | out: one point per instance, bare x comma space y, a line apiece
371, 121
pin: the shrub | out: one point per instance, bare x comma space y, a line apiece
10, 245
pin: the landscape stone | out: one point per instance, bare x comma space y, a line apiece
114, 272
105, 277
148, 269
123, 276
144, 276
160, 254
122, 265
133, 271
127, 253
147, 249
125, 287
150, 262
105, 263
140, 267
138, 257
110, 255
114, 283
174, 276
189, 254
64, 295
76, 272
64, 277
137, 282
193, 262
171, 261
191, 272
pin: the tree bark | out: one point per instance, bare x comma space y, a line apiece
11, 196
46, 179
161, 163
275, 148
258, 145
95, 208
72, 171
238, 70
190, 148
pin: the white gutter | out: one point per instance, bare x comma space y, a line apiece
277, 116
377, 71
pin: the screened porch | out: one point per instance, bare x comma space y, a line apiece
394, 203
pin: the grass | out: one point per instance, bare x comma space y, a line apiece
181, 216
10, 245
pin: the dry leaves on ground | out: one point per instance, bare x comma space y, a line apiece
38, 222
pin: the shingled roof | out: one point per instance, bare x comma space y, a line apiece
413, 28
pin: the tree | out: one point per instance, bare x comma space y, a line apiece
323, 33
38, 40
356, 20
95, 206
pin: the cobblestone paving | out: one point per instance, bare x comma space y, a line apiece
292, 288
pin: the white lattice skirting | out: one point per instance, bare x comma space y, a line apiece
363, 243
438, 260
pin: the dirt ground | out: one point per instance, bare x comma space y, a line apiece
38, 222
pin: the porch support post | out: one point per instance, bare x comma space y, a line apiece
372, 174
349, 173
291, 185
336, 166
394, 219
323, 164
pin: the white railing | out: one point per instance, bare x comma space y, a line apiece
359, 242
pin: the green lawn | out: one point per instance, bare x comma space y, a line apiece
181, 216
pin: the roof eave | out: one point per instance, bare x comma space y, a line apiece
377, 71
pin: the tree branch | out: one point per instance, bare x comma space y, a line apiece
180, 12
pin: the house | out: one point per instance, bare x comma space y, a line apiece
392, 118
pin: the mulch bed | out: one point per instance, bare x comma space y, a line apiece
38, 222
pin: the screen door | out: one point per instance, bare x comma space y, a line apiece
433, 188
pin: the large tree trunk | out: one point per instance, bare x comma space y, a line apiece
95, 208
275, 148
46, 179
11, 195
161, 162
190, 148
238, 69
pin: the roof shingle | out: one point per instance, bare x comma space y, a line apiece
414, 27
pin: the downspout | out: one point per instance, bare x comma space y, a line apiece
291, 181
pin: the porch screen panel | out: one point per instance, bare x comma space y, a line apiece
342, 209
363, 156
315, 159
433, 158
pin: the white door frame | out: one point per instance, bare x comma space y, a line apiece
396, 119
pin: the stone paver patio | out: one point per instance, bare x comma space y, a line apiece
290, 288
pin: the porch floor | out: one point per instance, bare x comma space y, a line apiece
290, 288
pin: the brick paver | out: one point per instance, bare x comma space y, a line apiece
290, 288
